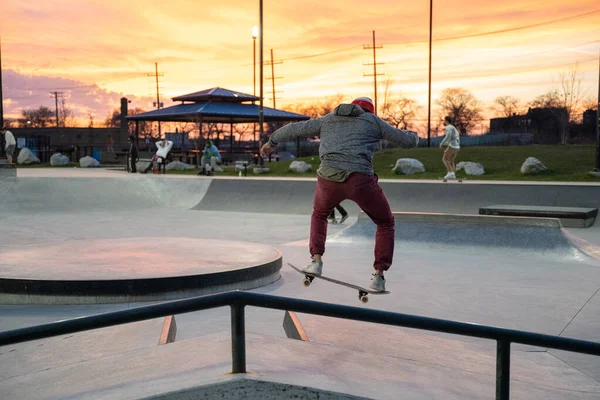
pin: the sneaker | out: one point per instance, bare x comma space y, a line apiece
377, 283
344, 217
314, 268
450, 175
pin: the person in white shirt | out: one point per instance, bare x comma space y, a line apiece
452, 140
9, 144
163, 146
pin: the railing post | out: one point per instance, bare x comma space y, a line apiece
238, 339
503, 370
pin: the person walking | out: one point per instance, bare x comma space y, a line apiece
452, 141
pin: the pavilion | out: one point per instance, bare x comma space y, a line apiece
216, 105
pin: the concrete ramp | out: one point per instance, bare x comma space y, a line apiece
55, 194
294, 196
470, 233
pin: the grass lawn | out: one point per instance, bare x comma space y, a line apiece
565, 163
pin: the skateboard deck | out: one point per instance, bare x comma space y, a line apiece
363, 293
457, 179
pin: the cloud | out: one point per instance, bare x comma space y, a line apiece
32, 91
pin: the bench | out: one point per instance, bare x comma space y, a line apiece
147, 160
570, 217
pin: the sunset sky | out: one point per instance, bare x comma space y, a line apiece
97, 52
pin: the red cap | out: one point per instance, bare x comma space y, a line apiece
365, 103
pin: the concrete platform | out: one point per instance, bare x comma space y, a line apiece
7, 170
570, 217
133, 269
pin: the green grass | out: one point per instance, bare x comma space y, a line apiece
565, 163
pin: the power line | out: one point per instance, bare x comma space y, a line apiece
516, 28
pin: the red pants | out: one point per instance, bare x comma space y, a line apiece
365, 191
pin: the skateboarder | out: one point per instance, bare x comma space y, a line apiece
342, 211
452, 140
132, 154
9, 144
349, 136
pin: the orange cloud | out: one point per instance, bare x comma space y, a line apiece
202, 44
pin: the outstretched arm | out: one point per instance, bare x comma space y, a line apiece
305, 129
401, 137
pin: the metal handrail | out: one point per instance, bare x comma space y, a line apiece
238, 300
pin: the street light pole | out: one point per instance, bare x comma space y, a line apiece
254, 36
261, 117
598, 122
429, 101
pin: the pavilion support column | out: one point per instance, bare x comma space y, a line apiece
231, 137
200, 135
137, 133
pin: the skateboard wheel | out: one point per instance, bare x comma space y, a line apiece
306, 282
445, 180
364, 299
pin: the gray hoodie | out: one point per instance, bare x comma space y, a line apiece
349, 136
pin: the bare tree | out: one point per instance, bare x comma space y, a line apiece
570, 92
550, 99
506, 106
589, 103
37, 117
66, 116
462, 106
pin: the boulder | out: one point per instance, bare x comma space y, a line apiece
408, 166
259, 170
59, 160
88, 162
178, 166
533, 166
300, 166
27, 157
471, 168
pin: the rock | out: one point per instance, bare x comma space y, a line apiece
59, 160
27, 157
533, 166
179, 166
408, 166
471, 168
300, 166
260, 170
88, 162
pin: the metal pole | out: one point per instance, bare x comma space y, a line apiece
157, 94
56, 104
238, 339
598, 122
375, 71
503, 370
254, 63
261, 117
429, 100
1, 96
273, 78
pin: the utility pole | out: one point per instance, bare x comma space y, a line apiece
429, 91
598, 122
156, 75
374, 64
56, 96
272, 77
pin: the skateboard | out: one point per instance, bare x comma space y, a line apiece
457, 179
363, 293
